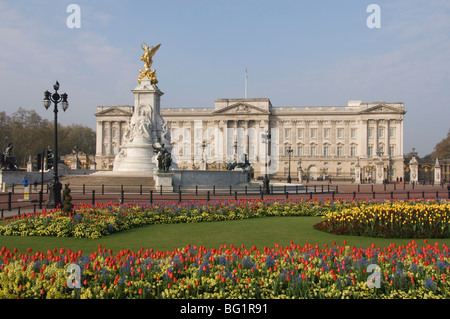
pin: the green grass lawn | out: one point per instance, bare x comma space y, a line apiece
260, 232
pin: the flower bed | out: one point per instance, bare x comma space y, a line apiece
87, 221
391, 219
309, 271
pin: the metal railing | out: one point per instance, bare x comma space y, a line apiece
14, 203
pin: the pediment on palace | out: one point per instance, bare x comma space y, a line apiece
382, 108
241, 108
115, 111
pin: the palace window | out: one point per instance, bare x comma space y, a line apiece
391, 132
187, 150
326, 151
198, 133
187, 134
287, 133
391, 150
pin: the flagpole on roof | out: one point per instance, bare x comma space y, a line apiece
245, 82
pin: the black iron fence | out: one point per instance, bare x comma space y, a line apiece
15, 203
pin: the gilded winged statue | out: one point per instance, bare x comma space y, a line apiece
147, 57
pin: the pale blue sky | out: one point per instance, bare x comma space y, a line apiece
298, 53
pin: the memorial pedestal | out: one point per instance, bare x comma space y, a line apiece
163, 181
145, 131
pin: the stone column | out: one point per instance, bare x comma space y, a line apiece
363, 127
99, 144
379, 172
414, 170
346, 138
110, 148
246, 137
235, 140
224, 128
333, 138
388, 139
437, 173
357, 173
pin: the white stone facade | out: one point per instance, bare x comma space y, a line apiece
326, 142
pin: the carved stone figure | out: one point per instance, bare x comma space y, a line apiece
7, 160
163, 158
139, 126
246, 166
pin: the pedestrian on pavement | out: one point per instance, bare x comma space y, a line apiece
25, 181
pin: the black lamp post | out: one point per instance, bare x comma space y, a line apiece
289, 151
266, 180
204, 164
55, 186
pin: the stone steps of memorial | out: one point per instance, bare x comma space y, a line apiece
105, 179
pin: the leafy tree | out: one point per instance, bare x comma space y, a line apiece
31, 134
442, 149
76, 135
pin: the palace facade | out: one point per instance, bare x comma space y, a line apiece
305, 142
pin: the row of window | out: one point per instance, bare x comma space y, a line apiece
339, 151
339, 133
313, 133
340, 172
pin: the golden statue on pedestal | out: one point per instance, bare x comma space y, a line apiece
149, 52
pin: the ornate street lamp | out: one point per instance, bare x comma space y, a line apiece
289, 152
55, 186
204, 164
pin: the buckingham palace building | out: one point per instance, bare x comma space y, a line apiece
305, 142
